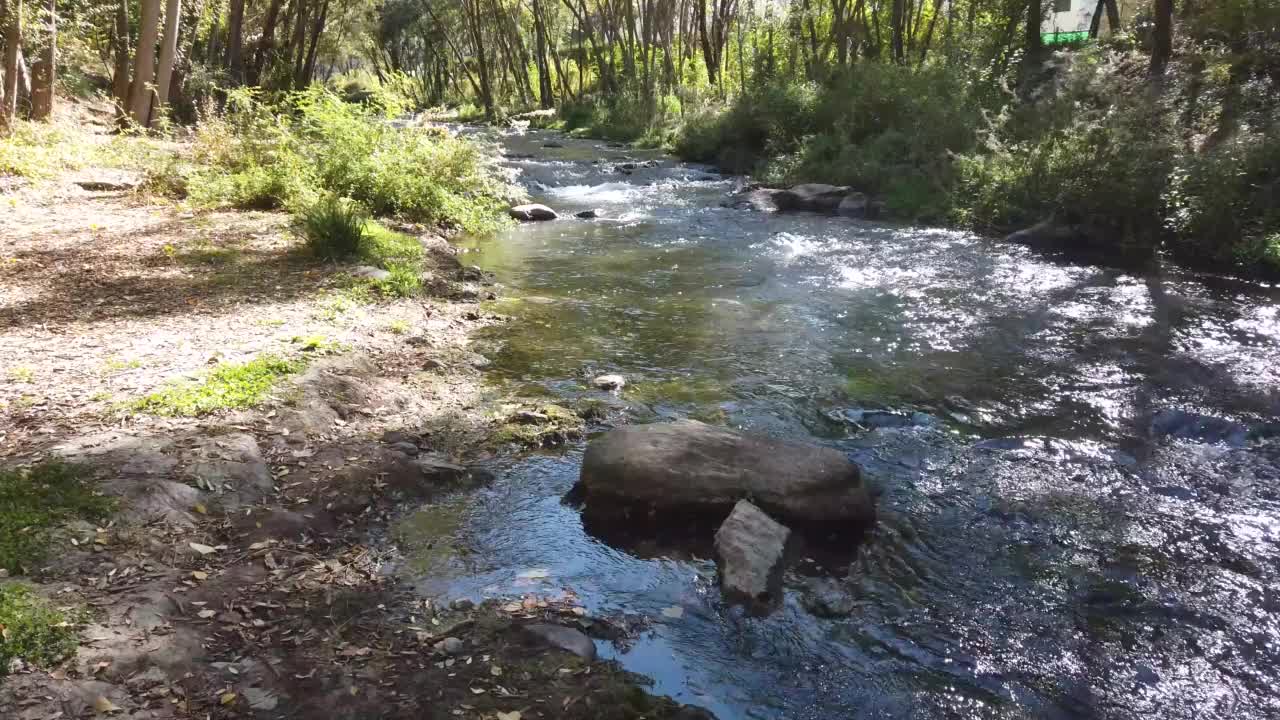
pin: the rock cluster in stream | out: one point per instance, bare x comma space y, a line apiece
532, 212
809, 197
689, 472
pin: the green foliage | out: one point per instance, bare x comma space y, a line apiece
34, 631
261, 156
334, 228
1224, 204
35, 500
228, 386
1107, 175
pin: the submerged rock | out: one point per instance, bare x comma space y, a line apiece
610, 382
532, 212
1204, 428
750, 547
870, 419
758, 200
687, 466
827, 598
588, 214
564, 638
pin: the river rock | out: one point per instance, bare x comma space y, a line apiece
758, 200
564, 638
827, 598
811, 197
750, 547
1203, 428
610, 382
588, 214
688, 466
854, 205
532, 212
553, 144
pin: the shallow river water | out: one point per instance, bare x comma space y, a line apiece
1081, 518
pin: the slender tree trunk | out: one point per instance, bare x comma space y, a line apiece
546, 97
120, 80
144, 63
1162, 37
309, 67
46, 69
12, 44
168, 54
266, 43
235, 42
897, 22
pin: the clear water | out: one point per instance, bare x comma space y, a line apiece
1043, 550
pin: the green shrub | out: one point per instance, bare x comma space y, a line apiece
316, 144
1224, 204
35, 500
34, 631
1109, 175
334, 228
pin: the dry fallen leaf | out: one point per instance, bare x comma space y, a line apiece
200, 508
206, 614
103, 705
200, 575
513, 715
202, 549
227, 698
495, 671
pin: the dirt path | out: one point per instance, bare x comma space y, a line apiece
236, 578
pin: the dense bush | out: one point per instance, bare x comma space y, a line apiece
334, 228
262, 156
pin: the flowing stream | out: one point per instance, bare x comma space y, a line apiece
1080, 475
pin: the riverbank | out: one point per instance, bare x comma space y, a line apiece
240, 423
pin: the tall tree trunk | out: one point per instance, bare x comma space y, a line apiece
12, 43
46, 69
546, 97
266, 43
120, 80
235, 42
309, 67
1162, 37
168, 54
897, 22
1033, 48
1113, 18
144, 62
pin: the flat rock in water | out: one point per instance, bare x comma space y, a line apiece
532, 212
553, 144
564, 638
588, 214
688, 466
811, 197
610, 382
750, 547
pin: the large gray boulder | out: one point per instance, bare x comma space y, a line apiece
532, 212
750, 549
811, 197
688, 466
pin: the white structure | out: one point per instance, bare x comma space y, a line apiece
1068, 16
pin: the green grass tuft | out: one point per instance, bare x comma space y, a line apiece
334, 228
35, 500
229, 386
33, 631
